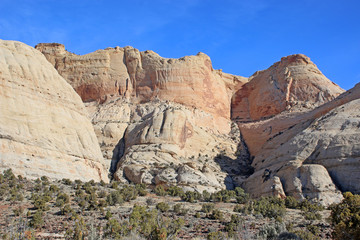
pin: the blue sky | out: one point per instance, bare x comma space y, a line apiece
240, 36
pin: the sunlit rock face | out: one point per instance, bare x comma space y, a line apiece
44, 128
171, 121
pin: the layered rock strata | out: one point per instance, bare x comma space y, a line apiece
158, 120
169, 121
44, 129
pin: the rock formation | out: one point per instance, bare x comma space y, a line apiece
324, 143
158, 120
44, 129
171, 121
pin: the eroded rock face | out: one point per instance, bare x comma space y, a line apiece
317, 156
293, 83
44, 129
167, 121
166, 143
145, 76
155, 115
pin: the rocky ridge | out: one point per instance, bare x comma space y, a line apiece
168, 121
44, 129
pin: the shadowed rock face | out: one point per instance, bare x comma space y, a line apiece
44, 129
169, 121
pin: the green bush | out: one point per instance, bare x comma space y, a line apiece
115, 198
241, 197
115, 230
345, 217
216, 214
190, 196
62, 199
66, 210
160, 190
233, 226
141, 189
270, 207
66, 181
129, 193
223, 196
206, 196
162, 206
291, 202
37, 219
175, 191
207, 207
179, 209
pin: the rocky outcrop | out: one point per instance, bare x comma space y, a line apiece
145, 76
317, 156
44, 129
169, 121
154, 116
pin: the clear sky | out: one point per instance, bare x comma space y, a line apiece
240, 36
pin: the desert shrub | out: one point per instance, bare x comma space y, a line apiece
45, 180
66, 210
190, 196
92, 201
270, 207
114, 184
310, 210
62, 199
66, 181
345, 217
37, 219
179, 209
206, 196
223, 196
115, 229
159, 190
291, 202
233, 226
240, 195
306, 235
108, 215
88, 188
129, 193
102, 194
197, 215
153, 226
216, 214
141, 189
39, 202
207, 207
8, 175
18, 211
78, 231
115, 198
102, 203
175, 191
271, 231
162, 206
53, 188
215, 236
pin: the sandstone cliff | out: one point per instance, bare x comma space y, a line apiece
158, 120
171, 121
44, 129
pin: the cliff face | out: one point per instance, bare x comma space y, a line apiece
171, 121
44, 129
155, 116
